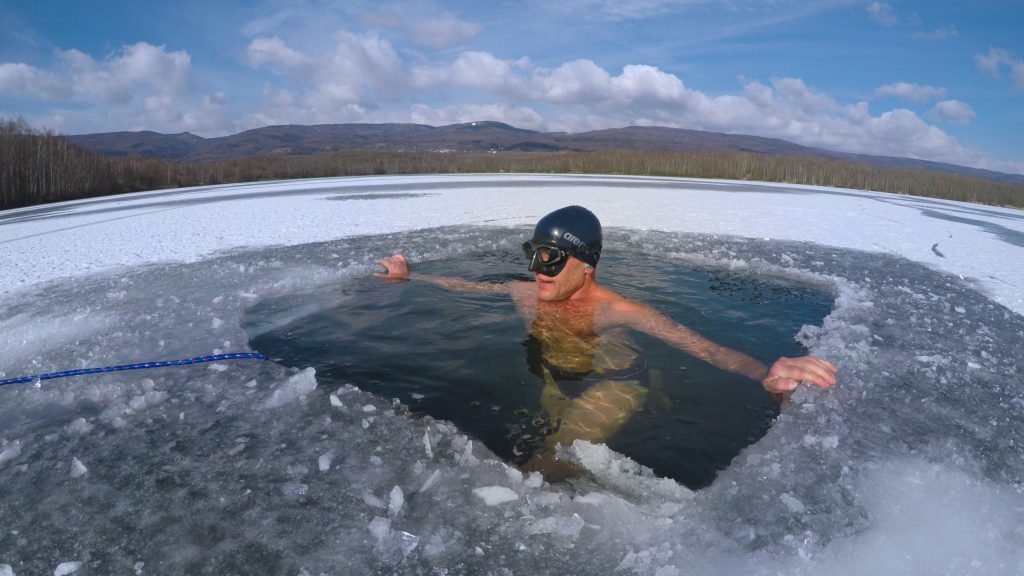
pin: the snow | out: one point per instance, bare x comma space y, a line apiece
75, 238
912, 464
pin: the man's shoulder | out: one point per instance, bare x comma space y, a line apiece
616, 301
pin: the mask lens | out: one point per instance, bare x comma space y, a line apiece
528, 250
545, 254
547, 260
549, 255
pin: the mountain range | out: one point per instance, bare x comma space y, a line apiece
473, 137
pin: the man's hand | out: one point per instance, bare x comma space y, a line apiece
397, 268
786, 373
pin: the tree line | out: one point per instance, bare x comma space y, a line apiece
38, 167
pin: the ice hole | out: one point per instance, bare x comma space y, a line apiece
472, 360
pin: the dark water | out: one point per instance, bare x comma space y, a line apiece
463, 357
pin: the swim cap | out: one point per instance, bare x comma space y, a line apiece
574, 229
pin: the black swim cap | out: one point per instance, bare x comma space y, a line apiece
573, 229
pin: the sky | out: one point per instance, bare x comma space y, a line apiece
934, 80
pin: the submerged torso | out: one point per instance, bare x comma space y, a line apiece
571, 340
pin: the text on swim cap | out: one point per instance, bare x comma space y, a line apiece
575, 241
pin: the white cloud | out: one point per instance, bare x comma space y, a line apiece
805, 100
477, 70
136, 71
137, 87
518, 116
997, 58
953, 111
18, 79
578, 81
943, 33
581, 95
362, 78
261, 25
273, 51
442, 32
911, 92
632, 10
357, 72
883, 14
990, 62
641, 84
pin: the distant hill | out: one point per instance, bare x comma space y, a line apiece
300, 140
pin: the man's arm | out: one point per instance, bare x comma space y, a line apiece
398, 269
783, 376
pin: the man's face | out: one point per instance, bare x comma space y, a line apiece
562, 286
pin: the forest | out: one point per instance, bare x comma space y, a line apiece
38, 167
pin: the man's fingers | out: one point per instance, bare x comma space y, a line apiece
395, 266
787, 373
781, 384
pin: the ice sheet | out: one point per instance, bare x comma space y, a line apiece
913, 464
72, 238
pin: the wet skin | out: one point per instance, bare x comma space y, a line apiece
582, 327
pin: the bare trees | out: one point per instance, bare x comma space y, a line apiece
39, 167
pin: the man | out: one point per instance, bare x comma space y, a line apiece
581, 333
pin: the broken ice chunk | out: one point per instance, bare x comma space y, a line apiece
294, 489
426, 445
534, 480
793, 504
430, 481
395, 501
65, 568
380, 527
408, 542
372, 500
568, 527
297, 386
6, 570
324, 461
10, 453
79, 426
495, 495
77, 468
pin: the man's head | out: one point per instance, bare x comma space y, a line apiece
572, 231
567, 234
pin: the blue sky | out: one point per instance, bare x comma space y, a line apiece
936, 80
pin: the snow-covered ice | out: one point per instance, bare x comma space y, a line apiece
912, 464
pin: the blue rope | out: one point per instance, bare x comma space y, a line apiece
140, 366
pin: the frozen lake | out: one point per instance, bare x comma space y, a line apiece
912, 464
